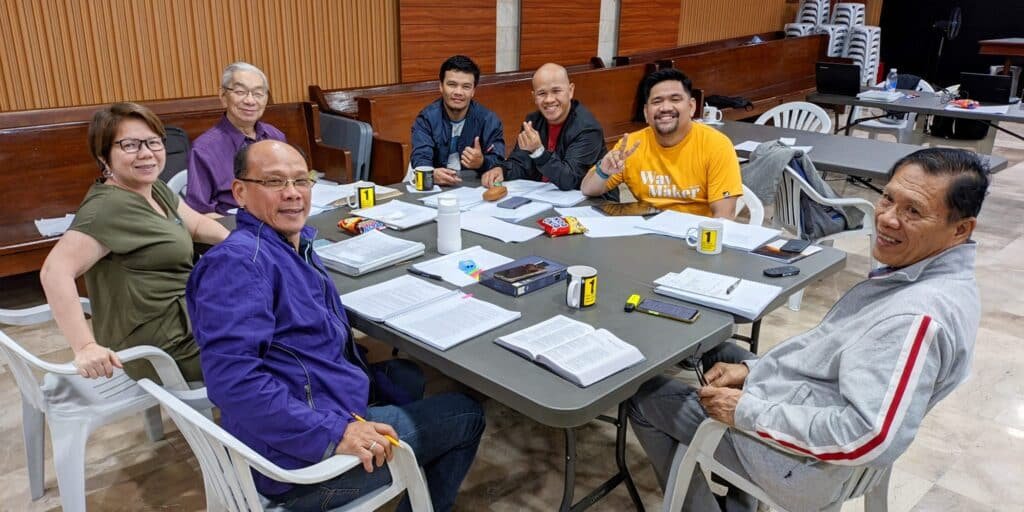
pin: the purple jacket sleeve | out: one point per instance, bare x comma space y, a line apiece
231, 307
201, 185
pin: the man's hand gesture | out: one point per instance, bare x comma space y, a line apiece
492, 177
720, 403
472, 156
529, 139
615, 160
727, 375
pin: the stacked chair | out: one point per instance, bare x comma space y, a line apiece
799, 29
837, 35
864, 47
849, 14
814, 12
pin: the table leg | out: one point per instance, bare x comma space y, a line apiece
602, 490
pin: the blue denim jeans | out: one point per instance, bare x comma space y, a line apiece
443, 430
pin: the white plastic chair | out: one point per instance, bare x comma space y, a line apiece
798, 115
903, 129
226, 464
753, 205
787, 216
74, 406
872, 483
178, 182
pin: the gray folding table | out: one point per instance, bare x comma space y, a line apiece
625, 265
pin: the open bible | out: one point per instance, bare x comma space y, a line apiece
574, 350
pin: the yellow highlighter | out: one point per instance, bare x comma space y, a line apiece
361, 420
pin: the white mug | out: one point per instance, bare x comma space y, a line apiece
581, 286
364, 195
706, 237
712, 114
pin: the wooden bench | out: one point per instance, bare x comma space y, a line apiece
768, 74
343, 101
46, 168
670, 53
610, 95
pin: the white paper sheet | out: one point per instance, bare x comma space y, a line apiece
604, 227
522, 187
579, 212
992, 109
468, 197
734, 234
54, 226
328, 195
549, 193
512, 215
496, 228
393, 297
399, 214
447, 267
751, 145
412, 189
475, 317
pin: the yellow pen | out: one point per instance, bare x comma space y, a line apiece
360, 419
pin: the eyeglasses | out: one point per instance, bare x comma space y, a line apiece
134, 145
279, 184
241, 92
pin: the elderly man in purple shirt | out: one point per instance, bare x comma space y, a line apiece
244, 94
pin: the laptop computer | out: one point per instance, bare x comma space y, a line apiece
986, 88
837, 78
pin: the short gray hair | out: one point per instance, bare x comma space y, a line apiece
229, 72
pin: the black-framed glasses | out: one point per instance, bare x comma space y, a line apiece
241, 92
281, 183
695, 362
134, 145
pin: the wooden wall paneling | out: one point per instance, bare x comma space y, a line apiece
722, 19
649, 24
565, 33
433, 30
59, 53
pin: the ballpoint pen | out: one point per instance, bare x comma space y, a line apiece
733, 287
428, 275
361, 420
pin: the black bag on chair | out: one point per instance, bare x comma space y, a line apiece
178, 148
956, 128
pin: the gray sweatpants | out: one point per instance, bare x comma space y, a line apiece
665, 413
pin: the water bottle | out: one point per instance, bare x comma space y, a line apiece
890, 81
449, 230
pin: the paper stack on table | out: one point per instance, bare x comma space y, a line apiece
468, 197
740, 236
604, 227
398, 214
327, 195
549, 193
447, 267
579, 212
368, 252
510, 214
496, 228
747, 299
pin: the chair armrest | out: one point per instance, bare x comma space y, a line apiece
321, 471
166, 367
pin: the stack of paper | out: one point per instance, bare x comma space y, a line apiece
468, 197
747, 299
398, 214
877, 95
368, 252
522, 187
447, 267
495, 228
511, 214
326, 195
54, 226
549, 193
579, 212
736, 235
424, 311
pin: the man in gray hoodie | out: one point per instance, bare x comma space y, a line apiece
853, 390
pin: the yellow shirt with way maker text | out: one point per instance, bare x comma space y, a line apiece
686, 177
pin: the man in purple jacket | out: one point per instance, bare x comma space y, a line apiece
244, 92
280, 362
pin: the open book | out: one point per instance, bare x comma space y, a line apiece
398, 214
425, 311
741, 297
368, 252
574, 350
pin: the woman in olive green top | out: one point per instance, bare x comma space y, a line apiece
132, 238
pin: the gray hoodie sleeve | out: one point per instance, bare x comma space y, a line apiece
886, 380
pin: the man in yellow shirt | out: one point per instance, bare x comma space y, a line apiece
674, 163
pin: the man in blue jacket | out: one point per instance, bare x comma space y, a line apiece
280, 362
456, 133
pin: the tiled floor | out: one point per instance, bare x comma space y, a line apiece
967, 455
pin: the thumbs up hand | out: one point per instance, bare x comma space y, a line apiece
472, 156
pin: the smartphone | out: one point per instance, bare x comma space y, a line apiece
783, 271
669, 310
521, 272
513, 202
795, 246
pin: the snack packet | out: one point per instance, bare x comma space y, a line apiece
559, 226
359, 225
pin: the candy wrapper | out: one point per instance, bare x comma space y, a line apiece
359, 225
558, 226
